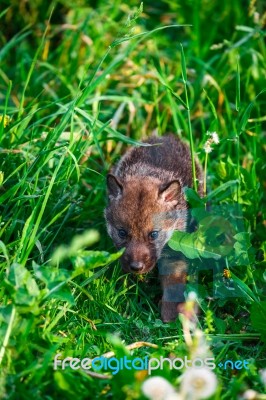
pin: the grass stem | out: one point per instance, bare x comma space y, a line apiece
184, 76
7, 335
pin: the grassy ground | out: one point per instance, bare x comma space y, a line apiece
78, 83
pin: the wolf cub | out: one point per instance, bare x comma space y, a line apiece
145, 205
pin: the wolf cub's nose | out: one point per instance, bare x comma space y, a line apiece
136, 266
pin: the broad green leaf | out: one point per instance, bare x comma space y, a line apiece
78, 243
248, 294
94, 259
193, 198
191, 245
241, 248
49, 274
61, 292
221, 324
5, 313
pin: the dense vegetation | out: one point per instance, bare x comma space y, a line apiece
80, 81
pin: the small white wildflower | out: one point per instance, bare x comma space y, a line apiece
200, 348
174, 396
217, 46
263, 376
157, 388
199, 334
256, 18
249, 395
215, 138
207, 146
192, 296
198, 383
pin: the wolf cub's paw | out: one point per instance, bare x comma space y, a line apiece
170, 311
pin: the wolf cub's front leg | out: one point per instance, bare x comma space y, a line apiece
172, 273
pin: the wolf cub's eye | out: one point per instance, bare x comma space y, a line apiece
122, 233
153, 235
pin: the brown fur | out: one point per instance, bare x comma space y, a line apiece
145, 191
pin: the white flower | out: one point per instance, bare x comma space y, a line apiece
263, 376
256, 17
207, 146
174, 396
200, 348
249, 395
192, 296
198, 383
215, 137
157, 388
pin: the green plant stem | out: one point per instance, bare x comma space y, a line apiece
5, 110
205, 175
238, 169
195, 185
7, 335
184, 76
34, 61
220, 336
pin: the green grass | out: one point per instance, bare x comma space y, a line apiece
78, 84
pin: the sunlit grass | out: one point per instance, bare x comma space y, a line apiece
75, 90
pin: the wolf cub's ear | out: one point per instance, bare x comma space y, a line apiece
115, 187
170, 192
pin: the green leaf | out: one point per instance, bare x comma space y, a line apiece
61, 292
245, 117
192, 245
49, 274
221, 324
221, 170
5, 313
241, 248
183, 64
248, 294
117, 345
237, 86
63, 383
22, 297
258, 317
211, 104
94, 259
223, 190
20, 277
247, 112
165, 84
193, 198
213, 239
78, 243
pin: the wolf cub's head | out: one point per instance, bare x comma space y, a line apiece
141, 215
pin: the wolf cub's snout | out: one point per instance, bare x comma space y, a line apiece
145, 205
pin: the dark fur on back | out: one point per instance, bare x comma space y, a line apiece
168, 158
